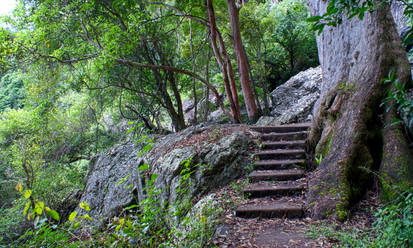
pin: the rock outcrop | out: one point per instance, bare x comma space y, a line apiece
220, 151
189, 109
218, 155
106, 184
293, 101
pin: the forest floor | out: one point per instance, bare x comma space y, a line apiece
276, 233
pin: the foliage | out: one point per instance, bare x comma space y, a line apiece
393, 227
279, 41
402, 97
46, 233
44, 145
339, 9
163, 224
149, 223
11, 91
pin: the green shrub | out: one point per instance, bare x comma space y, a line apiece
149, 223
393, 227
394, 223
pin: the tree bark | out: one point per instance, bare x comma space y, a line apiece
194, 71
347, 132
206, 109
224, 63
180, 114
239, 51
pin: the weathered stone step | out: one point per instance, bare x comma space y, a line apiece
278, 164
259, 190
277, 210
280, 154
276, 175
282, 144
301, 135
282, 128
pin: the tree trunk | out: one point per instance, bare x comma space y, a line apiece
224, 63
254, 85
194, 71
348, 134
180, 118
206, 108
239, 51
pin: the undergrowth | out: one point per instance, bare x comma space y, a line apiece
151, 222
393, 227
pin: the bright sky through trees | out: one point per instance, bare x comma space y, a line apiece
6, 6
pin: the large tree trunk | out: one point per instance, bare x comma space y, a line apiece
239, 51
349, 133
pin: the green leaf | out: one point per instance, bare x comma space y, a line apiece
143, 167
131, 207
52, 213
130, 130
27, 194
84, 205
72, 216
314, 19
87, 217
154, 177
147, 148
26, 208
77, 224
38, 210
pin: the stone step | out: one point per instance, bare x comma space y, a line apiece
278, 164
281, 154
282, 128
276, 175
301, 135
282, 144
262, 190
276, 210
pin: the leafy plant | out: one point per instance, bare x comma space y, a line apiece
319, 159
159, 223
399, 95
393, 227
49, 234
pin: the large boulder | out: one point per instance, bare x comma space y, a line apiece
218, 154
293, 101
106, 183
221, 153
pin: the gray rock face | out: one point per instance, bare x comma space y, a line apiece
293, 101
397, 9
217, 116
221, 152
189, 108
103, 191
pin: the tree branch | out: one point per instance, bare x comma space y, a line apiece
178, 70
198, 19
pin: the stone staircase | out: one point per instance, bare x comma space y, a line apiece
277, 182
